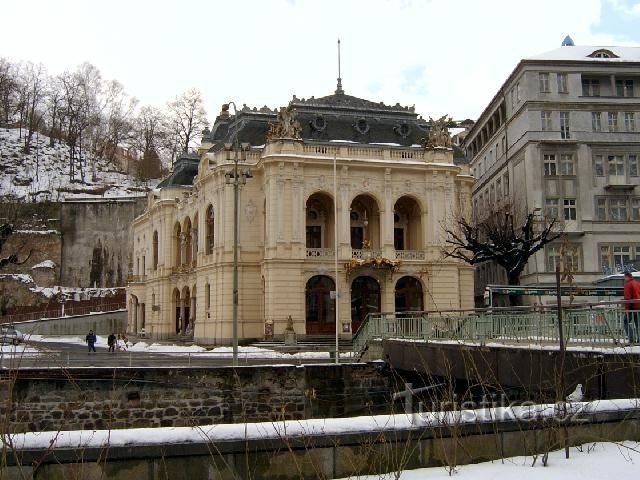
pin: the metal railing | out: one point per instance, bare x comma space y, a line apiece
600, 326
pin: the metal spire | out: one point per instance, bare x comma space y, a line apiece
339, 90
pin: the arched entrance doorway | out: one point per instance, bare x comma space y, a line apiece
365, 299
409, 297
320, 310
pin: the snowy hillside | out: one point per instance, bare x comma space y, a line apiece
43, 174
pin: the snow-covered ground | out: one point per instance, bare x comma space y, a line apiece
172, 349
618, 461
43, 174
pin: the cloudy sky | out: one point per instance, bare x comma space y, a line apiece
442, 56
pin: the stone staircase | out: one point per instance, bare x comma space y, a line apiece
306, 343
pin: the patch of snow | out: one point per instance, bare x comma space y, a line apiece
37, 232
45, 264
20, 277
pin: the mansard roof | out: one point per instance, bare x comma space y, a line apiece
333, 117
183, 173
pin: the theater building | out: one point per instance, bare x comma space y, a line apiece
335, 194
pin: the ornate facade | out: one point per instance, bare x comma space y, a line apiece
335, 194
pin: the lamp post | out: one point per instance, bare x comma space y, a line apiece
235, 177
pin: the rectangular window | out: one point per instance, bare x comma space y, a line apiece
613, 121
629, 122
567, 257
596, 124
314, 236
615, 165
543, 81
562, 83
617, 209
590, 87
624, 88
551, 207
601, 209
505, 182
633, 165
569, 208
550, 165
598, 166
564, 125
499, 188
545, 120
635, 209
567, 164
621, 256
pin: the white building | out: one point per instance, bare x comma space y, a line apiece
562, 137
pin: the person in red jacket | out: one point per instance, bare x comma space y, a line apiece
631, 293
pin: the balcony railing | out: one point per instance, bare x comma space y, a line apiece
410, 255
364, 254
320, 252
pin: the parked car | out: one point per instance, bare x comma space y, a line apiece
11, 335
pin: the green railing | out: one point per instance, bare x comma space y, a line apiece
586, 326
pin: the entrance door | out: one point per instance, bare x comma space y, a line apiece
409, 295
319, 306
365, 299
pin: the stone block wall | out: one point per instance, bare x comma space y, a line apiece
87, 399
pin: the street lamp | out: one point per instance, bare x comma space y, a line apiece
235, 177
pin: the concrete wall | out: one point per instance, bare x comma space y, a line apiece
369, 452
101, 323
96, 241
87, 399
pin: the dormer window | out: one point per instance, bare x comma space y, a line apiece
603, 53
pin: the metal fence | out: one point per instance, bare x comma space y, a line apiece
596, 326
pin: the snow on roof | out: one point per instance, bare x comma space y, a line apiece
21, 277
45, 264
38, 232
582, 52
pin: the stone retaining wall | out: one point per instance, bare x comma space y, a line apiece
86, 399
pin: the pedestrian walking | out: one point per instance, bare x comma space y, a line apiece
91, 341
631, 293
111, 341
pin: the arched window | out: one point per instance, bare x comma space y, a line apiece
209, 230
155, 249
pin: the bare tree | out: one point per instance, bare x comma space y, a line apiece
33, 82
187, 119
504, 236
8, 88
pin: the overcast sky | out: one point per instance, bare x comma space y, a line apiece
442, 56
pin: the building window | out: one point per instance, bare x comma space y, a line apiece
590, 87
155, 250
570, 209
633, 165
209, 230
543, 80
499, 188
567, 164
617, 258
550, 165
613, 121
567, 257
624, 88
564, 125
635, 209
629, 122
551, 207
562, 83
596, 123
207, 296
617, 209
505, 182
545, 120
615, 165
598, 166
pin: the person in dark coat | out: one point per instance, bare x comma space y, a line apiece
91, 341
111, 341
